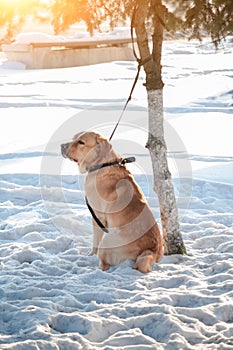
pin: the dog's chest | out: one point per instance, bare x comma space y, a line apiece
93, 190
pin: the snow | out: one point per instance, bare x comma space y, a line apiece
27, 38
53, 295
38, 37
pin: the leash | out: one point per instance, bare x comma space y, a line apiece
101, 166
140, 64
139, 60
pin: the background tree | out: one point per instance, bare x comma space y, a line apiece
150, 18
14, 13
205, 17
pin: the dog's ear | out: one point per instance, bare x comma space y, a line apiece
100, 138
104, 147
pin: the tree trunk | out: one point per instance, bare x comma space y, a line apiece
173, 242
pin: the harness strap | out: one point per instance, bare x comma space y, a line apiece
99, 223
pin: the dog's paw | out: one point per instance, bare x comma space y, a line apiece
104, 266
144, 261
94, 251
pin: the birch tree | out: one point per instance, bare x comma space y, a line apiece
151, 61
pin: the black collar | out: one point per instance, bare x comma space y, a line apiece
103, 165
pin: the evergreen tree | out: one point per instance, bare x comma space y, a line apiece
14, 13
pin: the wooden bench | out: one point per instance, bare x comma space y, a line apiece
39, 55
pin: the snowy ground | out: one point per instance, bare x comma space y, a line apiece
53, 296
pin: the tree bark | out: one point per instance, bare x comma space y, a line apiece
173, 242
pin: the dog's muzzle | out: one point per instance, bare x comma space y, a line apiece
64, 149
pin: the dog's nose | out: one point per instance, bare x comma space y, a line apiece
64, 149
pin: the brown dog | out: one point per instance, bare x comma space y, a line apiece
118, 202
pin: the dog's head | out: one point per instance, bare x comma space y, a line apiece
87, 149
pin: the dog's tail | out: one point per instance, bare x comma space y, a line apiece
146, 259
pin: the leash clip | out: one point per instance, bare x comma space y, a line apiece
128, 160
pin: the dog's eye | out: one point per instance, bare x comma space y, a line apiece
80, 142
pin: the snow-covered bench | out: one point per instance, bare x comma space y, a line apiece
69, 53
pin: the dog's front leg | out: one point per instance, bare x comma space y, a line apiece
97, 238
